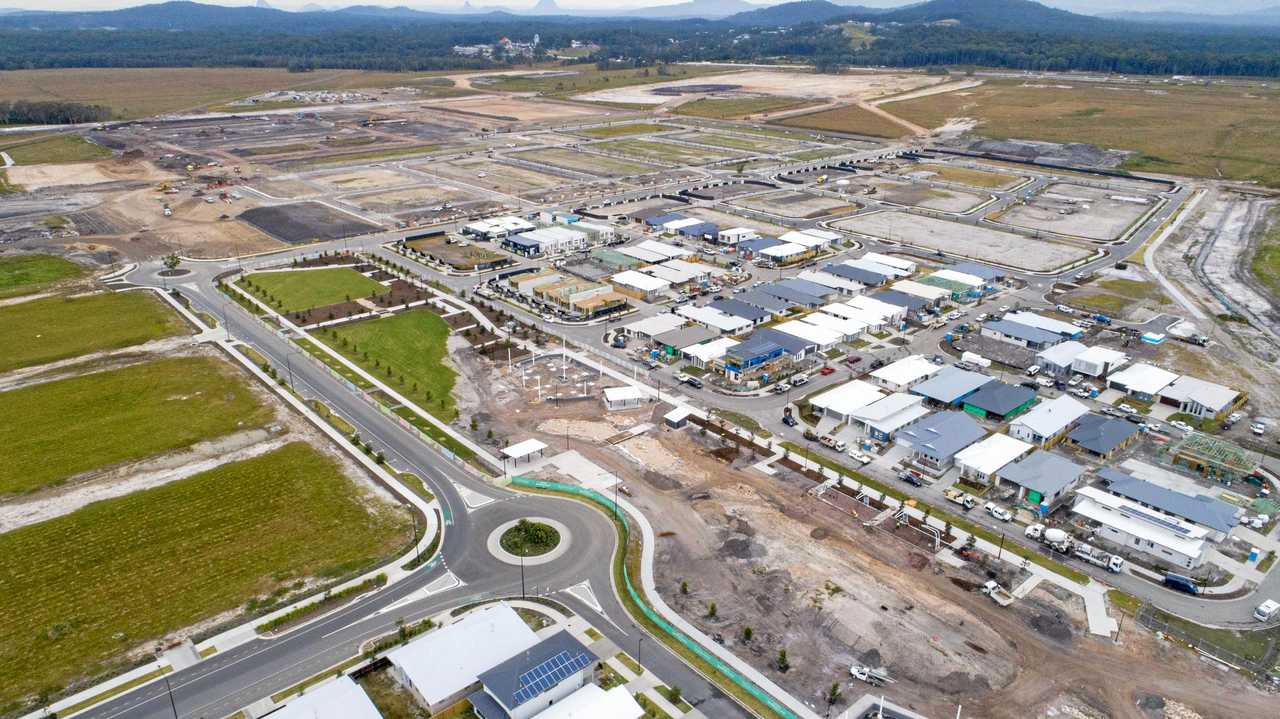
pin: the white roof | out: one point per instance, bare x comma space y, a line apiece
1063, 354
1132, 518
740, 232
593, 227
624, 393
592, 702
1051, 416
674, 275
963, 278
1209, 394
665, 249
524, 449
885, 310
713, 350
640, 281
876, 267
443, 662
827, 235
848, 397
700, 268
992, 453
888, 260
821, 336
829, 280
682, 222
892, 412
789, 249
642, 254
916, 289
1101, 355
655, 325
806, 239
507, 223
553, 235
678, 414
1048, 324
907, 370
714, 318
846, 327
871, 319
1144, 378
341, 698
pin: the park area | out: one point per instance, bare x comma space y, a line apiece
57, 328
293, 291
25, 274
81, 591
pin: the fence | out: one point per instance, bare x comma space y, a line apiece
1259, 665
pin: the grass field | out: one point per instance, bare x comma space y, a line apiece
6, 187
850, 118
56, 328
1266, 260
406, 351
755, 144
635, 128
79, 590
96, 420
1191, 130
663, 151
55, 149
966, 176
733, 109
293, 291
587, 78
25, 274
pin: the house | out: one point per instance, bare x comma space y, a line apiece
794, 345
755, 315
890, 313
909, 303
754, 357
639, 285
764, 301
625, 397
833, 283
702, 355
1214, 457
1202, 510
999, 401
814, 239
791, 295
898, 263
973, 282
667, 250
906, 373
978, 463
1206, 400
440, 668
340, 698
1056, 361
679, 278
1047, 423
700, 230
735, 235
749, 248
1102, 436
1130, 524
1142, 381
950, 386
935, 440
849, 329
1066, 330
786, 253
875, 322
856, 274
877, 268
650, 327
1099, 361
1043, 479
673, 343
843, 401
720, 322
533, 680
882, 419
822, 338
592, 702
809, 288
935, 296
1015, 333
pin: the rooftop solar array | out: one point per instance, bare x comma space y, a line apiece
548, 674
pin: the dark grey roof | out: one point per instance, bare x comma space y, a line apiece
764, 301
806, 286
534, 671
1043, 472
1024, 332
792, 295
485, 707
522, 241
685, 336
662, 218
1100, 434
1000, 398
753, 347
792, 344
738, 308
702, 228
902, 299
857, 274
758, 244
943, 434
986, 272
1207, 511
950, 384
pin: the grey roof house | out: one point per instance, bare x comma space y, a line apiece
1205, 511
1100, 435
951, 385
998, 400
532, 680
1043, 478
935, 440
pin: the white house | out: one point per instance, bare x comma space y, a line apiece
935, 295
980, 462
843, 401
340, 698
1131, 525
592, 702
890, 313
898, 263
849, 329
1049, 421
1099, 361
721, 322
835, 282
823, 338
906, 373
702, 355
1142, 380
639, 285
1199, 397
882, 419
734, 235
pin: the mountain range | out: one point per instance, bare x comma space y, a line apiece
1266, 16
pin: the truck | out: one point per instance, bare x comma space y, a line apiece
1181, 583
1056, 538
975, 359
838, 445
1110, 562
998, 594
872, 676
1266, 611
964, 499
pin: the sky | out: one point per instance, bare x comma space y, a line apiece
1084, 6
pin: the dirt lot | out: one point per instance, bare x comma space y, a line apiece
401, 200
498, 177
524, 110
586, 163
37, 177
282, 186
366, 179
728, 219
932, 198
306, 221
790, 84
797, 204
1079, 211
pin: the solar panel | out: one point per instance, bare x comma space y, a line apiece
548, 674
1159, 521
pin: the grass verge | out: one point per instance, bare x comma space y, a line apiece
635, 128
25, 274
732, 109
328, 601
57, 149
307, 289
115, 691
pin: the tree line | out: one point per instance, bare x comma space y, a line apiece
23, 112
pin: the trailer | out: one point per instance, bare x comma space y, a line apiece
998, 594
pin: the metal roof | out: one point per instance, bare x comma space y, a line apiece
806, 286
686, 336
764, 301
1200, 509
536, 670
790, 294
951, 384
857, 274
1027, 333
942, 435
738, 308
1100, 434
1043, 472
902, 299
1000, 398
792, 344
984, 271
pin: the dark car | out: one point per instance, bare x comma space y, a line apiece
1135, 418
1181, 583
910, 479
693, 382
1031, 385
789, 420
877, 364
811, 435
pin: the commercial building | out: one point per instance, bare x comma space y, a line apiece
978, 463
1048, 423
533, 680
735, 235
936, 439
999, 401
1142, 381
442, 667
950, 386
1102, 436
547, 241
881, 420
1056, 361
843, 401
497, 228
1016, 333
639, 285
1043, 479
1099, 361
339, 698
592, 702
906, 373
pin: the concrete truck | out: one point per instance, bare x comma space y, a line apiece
1056, 538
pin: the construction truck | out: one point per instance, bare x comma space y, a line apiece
998, 594
1098, 558
964, 499
1059, 540
820, 180
874, 677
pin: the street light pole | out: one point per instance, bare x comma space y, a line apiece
1001, 550
522, 592
640, 652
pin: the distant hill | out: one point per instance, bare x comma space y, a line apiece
707, 9
1266, 16
1012, 15
795, 13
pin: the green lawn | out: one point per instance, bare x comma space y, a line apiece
1266, 260
95, 420
25, 274
407, 352
56, 149
7, 187
662, 151
635, 128
304, 290
78, 591
739, 107
56, 328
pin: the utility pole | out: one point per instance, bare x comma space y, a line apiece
522, 592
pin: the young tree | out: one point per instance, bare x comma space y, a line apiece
171, 261
711, 610
747, 633
783, 663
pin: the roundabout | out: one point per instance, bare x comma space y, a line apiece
529, 541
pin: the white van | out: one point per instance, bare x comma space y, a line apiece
1033, 370
1266, 611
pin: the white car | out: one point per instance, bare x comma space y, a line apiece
859, 457
1179, 424
1066, 310
1045, 381
1127, 408
1258, 427
1004, 308
1080, 392
1075, 380
999, 512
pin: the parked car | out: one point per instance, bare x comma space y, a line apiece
998, 512
859, 456
1075, 380
1128, 408
1066, 310
781, 387
789, 420
1179, 424
811, 435
799, 379
1258, 427
826, 371
1112, 411
1135, 418
1045, 382
1030, 384
911, 478
693, 382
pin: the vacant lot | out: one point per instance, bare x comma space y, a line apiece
306, 289
739, 107
1190, 130
56, 328
25, 274
663, 151
963, 175
78, 591
306, 221
585, 78
754, 144
587, 162
407, 352
851, 119
635, 128
57, 149
96, 420
797, 204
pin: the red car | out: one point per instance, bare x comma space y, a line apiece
827, 370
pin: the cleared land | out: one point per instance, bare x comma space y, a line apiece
963, 175
56, 328
97, 420
57, 149
851, 119
460, 258
665, 152
498, 177
1266, 260
1119, 297
406, 351
797, 204
637, 128
78, 591
919, 195
784, 83
739, 107
587, 78
25, 274
1079, 211
959, 240
588, 163
305, 221
306, 289
400, 200
1184, 130
755, 144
